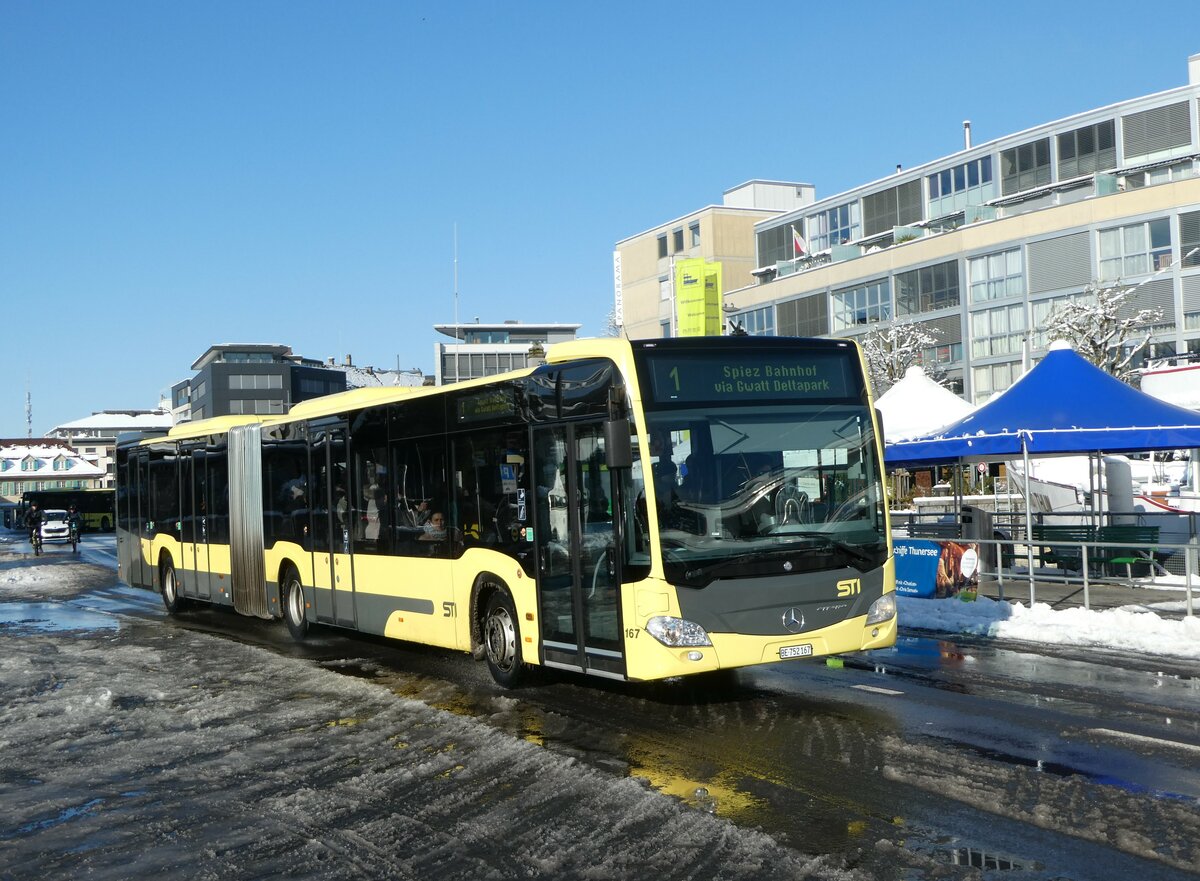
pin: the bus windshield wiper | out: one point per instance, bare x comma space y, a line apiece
859, 553
710, 569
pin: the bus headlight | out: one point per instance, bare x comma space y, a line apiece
675, 632
883, 609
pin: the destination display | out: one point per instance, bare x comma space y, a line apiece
737, 377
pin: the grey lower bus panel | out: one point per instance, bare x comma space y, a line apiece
246, 521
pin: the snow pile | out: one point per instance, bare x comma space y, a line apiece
22, 578
1126, 630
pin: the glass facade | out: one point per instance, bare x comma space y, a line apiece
862, 305
995, 276
1136, 249
953, 189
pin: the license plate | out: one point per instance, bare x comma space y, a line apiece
795, 651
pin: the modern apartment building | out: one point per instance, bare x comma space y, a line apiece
251, 378
982, 245
646, 266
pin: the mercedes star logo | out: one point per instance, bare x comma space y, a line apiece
793, 620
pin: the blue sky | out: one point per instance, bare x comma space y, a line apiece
174, 175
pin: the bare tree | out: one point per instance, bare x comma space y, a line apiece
1106, 329
612, 324
891, 350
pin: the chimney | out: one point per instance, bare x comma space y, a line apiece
330, 361
966, 134
349, 362
898, 167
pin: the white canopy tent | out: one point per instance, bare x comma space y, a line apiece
917, 406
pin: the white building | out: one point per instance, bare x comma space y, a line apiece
488, 349
94, 437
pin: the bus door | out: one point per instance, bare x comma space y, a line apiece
200, 524
577, 558
333, 570
140, 570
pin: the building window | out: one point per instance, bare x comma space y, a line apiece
805, 316
1137, 249
927, 288
694, 229
949, 353
677, 241
664, 328
756, 322
662, 246
1189, 239
953, 189
896, 206
664, 288
1025, 167
1157, 133
996, 275
867, 304
29, 464
254, 381
1087, 150
990, 380
836, 226
997, 331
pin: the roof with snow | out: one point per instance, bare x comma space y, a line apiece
112, 422
42, 459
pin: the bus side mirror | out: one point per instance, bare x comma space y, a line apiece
617, 446
879, 422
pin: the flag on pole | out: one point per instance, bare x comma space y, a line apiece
798, 243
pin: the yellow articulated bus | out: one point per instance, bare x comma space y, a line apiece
632, 510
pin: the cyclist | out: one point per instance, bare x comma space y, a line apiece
33, 521
75, 524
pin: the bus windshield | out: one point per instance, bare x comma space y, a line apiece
760, 489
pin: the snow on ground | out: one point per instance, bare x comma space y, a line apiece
1130, 629
134, 749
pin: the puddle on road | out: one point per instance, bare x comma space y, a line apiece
34, 618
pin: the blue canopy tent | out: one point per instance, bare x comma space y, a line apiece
1064, 405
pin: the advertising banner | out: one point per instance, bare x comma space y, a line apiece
697, 297
935, 568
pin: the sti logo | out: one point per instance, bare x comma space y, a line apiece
849, 587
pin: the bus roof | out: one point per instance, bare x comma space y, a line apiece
203, 427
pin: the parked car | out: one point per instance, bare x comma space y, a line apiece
55, 526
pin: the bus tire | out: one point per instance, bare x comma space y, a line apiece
171, 597
502, 641
293, 604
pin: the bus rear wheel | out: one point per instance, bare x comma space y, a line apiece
293, 605
502, 641
172, 599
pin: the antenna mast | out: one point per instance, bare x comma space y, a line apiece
28, 411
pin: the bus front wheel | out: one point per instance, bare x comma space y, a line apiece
293, 605
502, 641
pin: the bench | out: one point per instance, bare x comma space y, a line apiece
1059, 544
933, 530
1115, 555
